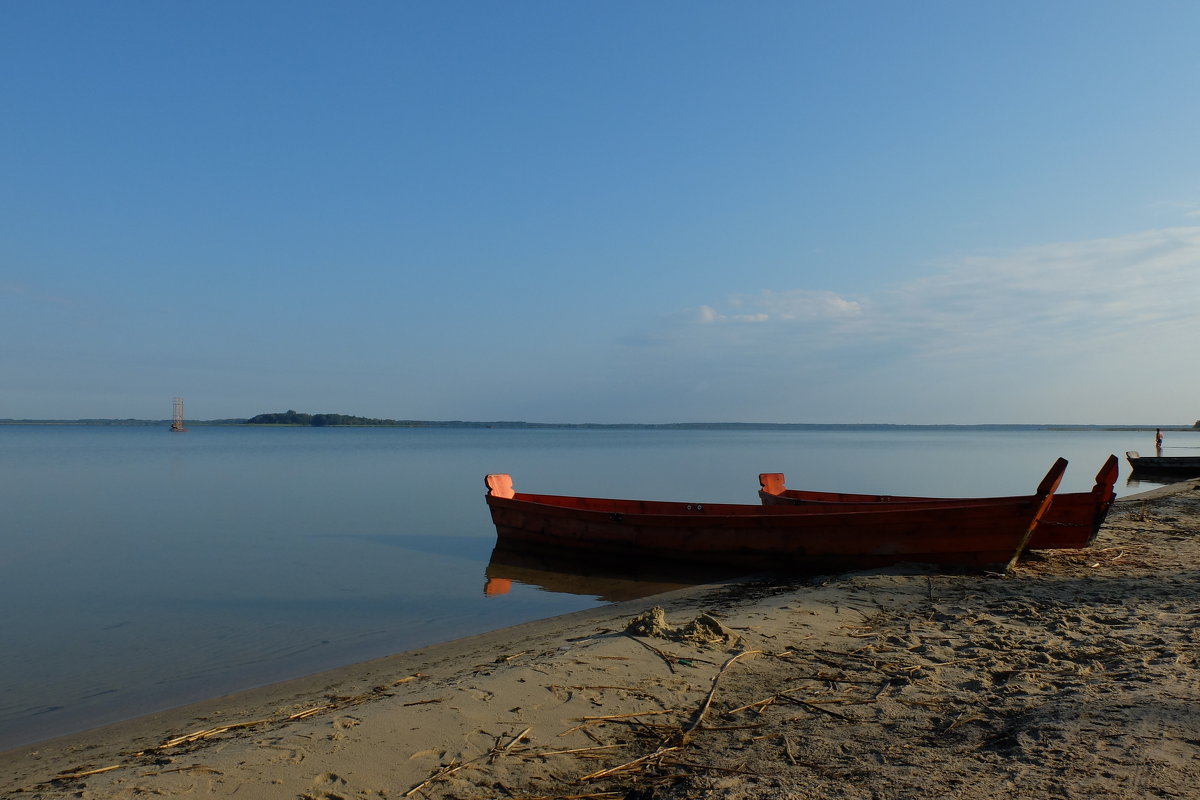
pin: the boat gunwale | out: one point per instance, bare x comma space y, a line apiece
667, 509
1102, 491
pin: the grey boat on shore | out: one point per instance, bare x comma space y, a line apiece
1164, 465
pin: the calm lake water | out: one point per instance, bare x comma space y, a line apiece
143, 569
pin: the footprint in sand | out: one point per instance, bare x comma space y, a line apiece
324, 783
330, 779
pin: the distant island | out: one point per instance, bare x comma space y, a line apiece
290, 417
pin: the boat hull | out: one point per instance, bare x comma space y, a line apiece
1072, 521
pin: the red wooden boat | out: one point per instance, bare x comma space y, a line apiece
1072, 521
778, 537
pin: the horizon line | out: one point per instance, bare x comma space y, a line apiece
391, 423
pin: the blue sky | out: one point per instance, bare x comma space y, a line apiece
608, 212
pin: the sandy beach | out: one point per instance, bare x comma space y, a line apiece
1073, 676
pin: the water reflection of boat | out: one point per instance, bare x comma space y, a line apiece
808, 538
1072, 520
605, 579
1172, 467
1138, 481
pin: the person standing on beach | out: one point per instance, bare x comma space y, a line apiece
1158, 441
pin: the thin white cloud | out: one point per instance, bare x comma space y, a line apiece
24, 292
1063, 296
1182, 208
1060, 297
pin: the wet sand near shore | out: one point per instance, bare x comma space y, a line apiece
1073, 676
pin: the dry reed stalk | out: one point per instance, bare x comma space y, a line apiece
816, 707
574, 750
883, 687
759, 706
593, 720
439, 774
740, 770
841, 701
786, 693
654, 726
836, 665
207, 733
699, 717
592, 796
630, 689
662, 751
750, 727
951, 662
453, 767
787, 749
189, 768
311, 711
498, 751
963, 719
841, 679
666, 657
682, 737
588, 733
70, 776
412, 677
629, 714
498, 660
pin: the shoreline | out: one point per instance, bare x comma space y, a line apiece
1019, 676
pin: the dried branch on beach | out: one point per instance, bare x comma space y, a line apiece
489, 756
681, 737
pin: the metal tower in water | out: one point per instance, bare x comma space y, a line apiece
177, 417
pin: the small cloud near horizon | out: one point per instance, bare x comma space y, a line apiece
794, 305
